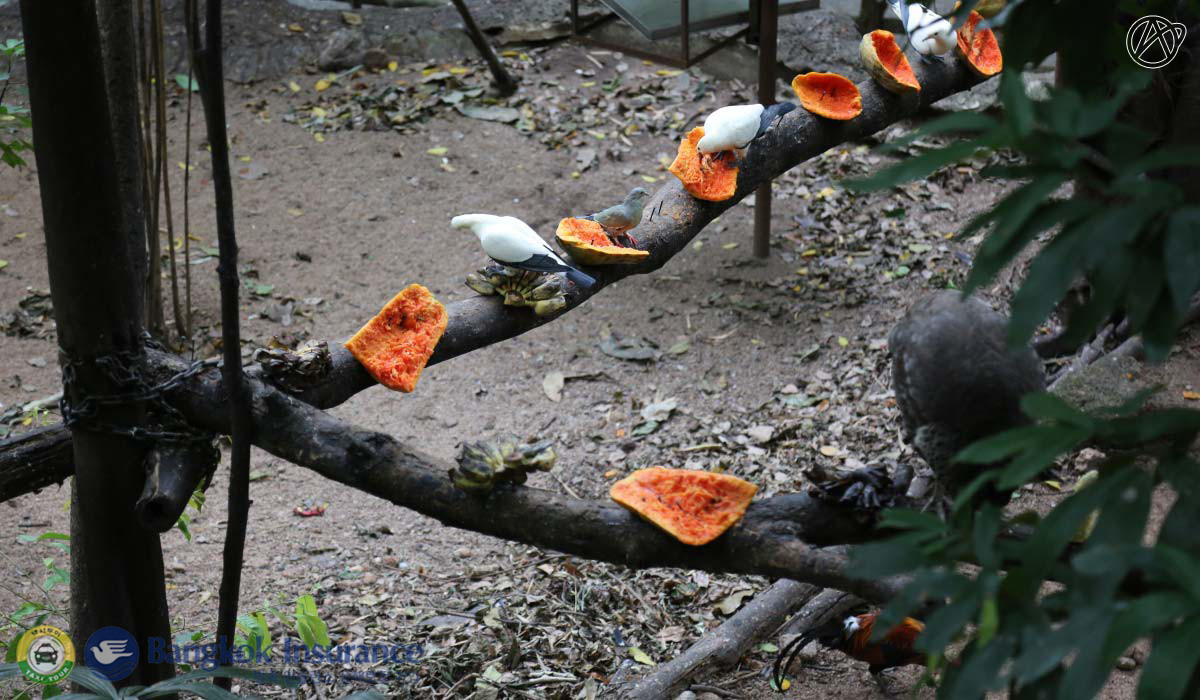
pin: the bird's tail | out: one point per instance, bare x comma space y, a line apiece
786, 656
580, 278
772, 113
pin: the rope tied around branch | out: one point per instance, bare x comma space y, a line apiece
124, 370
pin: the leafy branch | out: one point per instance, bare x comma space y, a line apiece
1095, 190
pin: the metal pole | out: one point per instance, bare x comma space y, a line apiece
504, 82
768, 14
683, 23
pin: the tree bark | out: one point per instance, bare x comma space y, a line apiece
120, 53
116, 567
35, 460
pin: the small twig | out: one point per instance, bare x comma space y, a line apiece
210, 72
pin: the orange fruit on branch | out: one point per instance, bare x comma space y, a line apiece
887, 64
828, 95
711, 177
588, 244
694, 507
979, 47
395, 345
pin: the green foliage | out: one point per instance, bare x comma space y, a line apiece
1137, 239
196, 503
188, 683
13, 119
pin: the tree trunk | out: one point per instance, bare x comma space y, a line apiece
116, 567
120, 53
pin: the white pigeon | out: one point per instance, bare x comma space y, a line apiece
928, 32
509, 241
732, 128
110, 650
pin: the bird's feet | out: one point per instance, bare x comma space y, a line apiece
867, 490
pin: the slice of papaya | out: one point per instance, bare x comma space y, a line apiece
828, 95
395, 345
694, 507
887, 64
587, 243
979, 47
712, 178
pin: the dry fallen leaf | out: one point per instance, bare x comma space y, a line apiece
552, 384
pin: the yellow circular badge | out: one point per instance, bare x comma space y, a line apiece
45, 655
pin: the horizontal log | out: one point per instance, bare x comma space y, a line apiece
777, 537
34, 460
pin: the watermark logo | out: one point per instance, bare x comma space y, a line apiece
1154, 41
111, 652
45, 655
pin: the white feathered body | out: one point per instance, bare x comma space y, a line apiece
729, 128
505, 238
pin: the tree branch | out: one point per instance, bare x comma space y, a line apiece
477, 322
770, 540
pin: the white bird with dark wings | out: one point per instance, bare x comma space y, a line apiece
732, 128
509, 241
928, 32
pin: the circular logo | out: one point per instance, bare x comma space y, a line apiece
1153, 41
111, 652
45, 655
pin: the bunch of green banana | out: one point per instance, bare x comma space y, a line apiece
481, 465
295, 370
542, 291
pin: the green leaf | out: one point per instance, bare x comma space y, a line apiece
1001, 445
917, 167
1047, 406
1182, 567
983, 670
1181, 255
947, 622
1057, 530
89, 679
187, 82
1172, 659
1018, 108
989, 621
309, 625
641, 657
905, 519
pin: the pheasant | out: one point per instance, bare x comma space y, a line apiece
852, 637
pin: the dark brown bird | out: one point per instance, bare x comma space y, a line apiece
957, 381
852, 636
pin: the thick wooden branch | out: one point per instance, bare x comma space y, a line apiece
775, 538
35, 460
481, 321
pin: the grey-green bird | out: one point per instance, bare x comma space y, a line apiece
618, 220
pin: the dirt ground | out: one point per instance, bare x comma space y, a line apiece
332, 222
